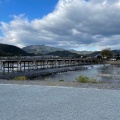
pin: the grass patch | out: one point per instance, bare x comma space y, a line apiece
84, 79
20, 78
61, 80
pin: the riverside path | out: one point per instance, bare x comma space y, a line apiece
30, 102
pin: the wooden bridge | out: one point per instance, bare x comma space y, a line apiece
15, 65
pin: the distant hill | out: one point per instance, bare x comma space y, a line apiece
43, 49
80, 52
93, 54
64, 53
115, 52
10, 50
40, 49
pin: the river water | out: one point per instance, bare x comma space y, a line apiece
104, 73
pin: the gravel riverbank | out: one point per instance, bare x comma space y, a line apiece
111, 86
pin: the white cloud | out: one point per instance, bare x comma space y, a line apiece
73, 24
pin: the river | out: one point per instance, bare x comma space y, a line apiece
104, 73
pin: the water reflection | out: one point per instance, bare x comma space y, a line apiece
104, 73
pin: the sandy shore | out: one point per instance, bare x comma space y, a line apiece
111, 86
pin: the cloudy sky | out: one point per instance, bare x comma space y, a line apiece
69, 24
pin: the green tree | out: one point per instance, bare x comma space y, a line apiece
106, 53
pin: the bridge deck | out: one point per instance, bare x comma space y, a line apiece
42, 72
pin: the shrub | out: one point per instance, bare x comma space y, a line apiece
61, 80
20, 78
84, 79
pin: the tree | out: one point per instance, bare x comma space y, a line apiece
106, 53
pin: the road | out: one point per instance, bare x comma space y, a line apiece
32, 102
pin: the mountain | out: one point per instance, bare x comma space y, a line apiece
80, 52
40, 49
93, 54
116, 52
64, 53
10, 50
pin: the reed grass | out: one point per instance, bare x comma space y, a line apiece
85, 79
20, 78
